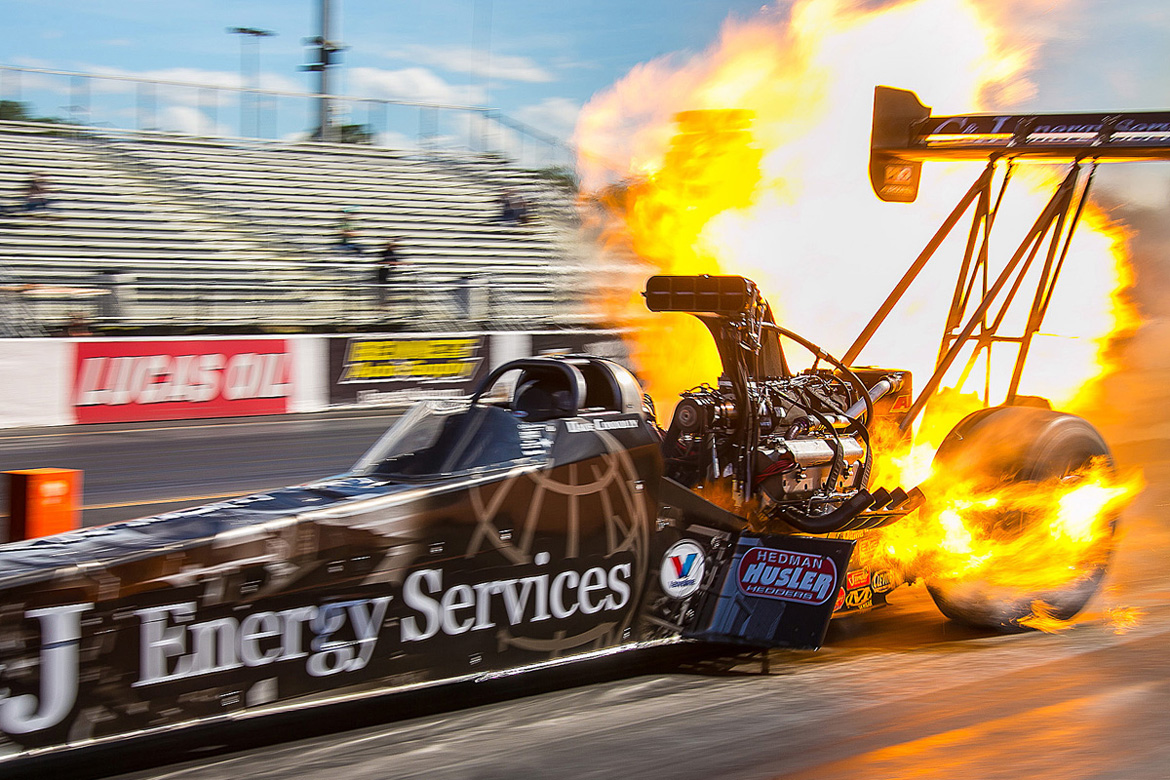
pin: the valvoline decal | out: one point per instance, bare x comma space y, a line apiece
682, 569
787, 575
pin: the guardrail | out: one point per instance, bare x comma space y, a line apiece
123, 103
456, 303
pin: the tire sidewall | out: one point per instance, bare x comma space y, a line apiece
1005, 445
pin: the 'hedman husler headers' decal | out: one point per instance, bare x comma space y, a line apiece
787, 575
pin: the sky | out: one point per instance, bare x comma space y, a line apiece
538, 61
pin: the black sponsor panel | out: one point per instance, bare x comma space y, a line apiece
606, 344
394, 369
778, 591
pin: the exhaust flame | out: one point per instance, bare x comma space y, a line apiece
1010, 538
751, 158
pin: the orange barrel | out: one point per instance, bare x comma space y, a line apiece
43, 502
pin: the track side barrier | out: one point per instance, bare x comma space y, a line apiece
95, 380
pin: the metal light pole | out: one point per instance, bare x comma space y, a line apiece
326, 49
481, 35
253, 82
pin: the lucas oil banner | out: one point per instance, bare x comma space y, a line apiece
124, 381
391, 369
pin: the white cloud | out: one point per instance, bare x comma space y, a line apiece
412, 84
279, 83
42, 82
555, 116
32, 62
177, 91
457, 59
394, 140
192, 121
199, 76
229, 79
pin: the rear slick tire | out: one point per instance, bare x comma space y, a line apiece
1008, 445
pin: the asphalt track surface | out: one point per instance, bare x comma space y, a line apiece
137, 469
896, 693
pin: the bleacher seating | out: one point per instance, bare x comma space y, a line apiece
224, 232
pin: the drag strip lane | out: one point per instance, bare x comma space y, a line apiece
136, 469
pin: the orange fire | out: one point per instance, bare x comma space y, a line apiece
1010, 538
751, 158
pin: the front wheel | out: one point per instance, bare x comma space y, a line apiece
1003, 472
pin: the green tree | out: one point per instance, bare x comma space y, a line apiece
15, 111
560, 176
356, 134
347, 134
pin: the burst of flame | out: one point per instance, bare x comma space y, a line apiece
771, 183
1124, 619
783, 197
1043, 619
1038, 535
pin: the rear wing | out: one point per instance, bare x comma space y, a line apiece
905, 134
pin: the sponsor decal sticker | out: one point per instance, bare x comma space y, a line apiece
452, 609
899, 174
787, 575
682, 569
862, 598
882, 581
176, 646
597, 424
856, 578
60, 632
178, 641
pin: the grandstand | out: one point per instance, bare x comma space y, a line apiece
160, 232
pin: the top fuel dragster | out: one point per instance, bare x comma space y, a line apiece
545, 519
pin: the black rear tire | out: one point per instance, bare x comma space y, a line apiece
1006, 445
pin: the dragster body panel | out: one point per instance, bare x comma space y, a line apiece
366, 583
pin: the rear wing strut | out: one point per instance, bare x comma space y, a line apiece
905, 134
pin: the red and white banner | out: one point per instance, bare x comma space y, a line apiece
123, 381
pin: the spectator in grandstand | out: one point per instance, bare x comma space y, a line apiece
36, 193
511, 207
521, 208
388, 260
77, 325
346, 233
524, 211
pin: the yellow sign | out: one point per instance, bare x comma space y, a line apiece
382, 360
